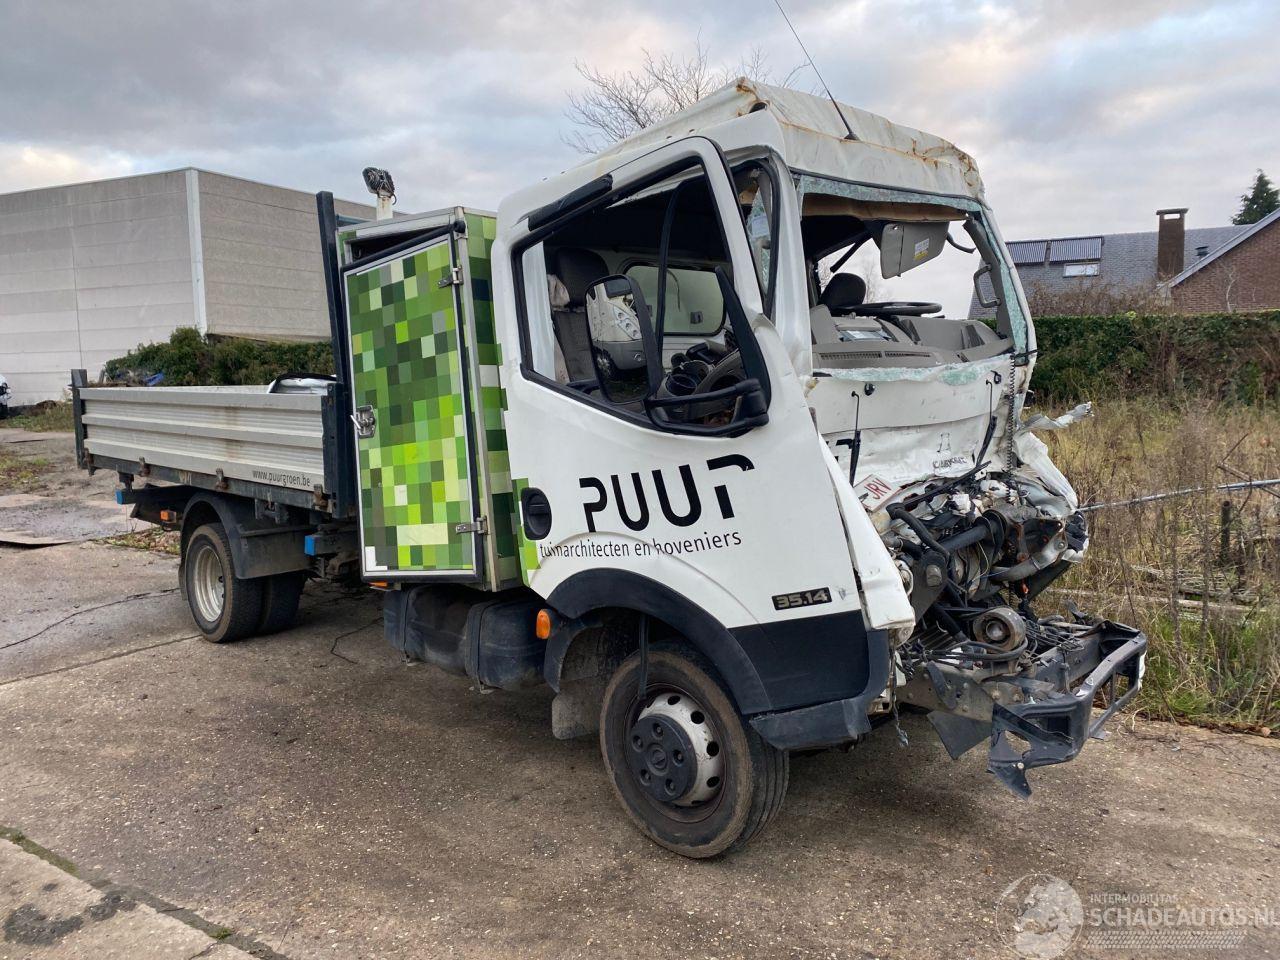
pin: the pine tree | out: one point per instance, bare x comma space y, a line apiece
1258, 202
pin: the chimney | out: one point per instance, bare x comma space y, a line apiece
1169, 241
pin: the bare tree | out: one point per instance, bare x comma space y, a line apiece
615, 105
1091, 297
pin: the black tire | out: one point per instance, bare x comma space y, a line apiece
280, 596
206, 558
754, 774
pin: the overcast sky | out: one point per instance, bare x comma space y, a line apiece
1084, 115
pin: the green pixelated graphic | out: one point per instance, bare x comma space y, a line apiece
528, 549
415, 473
504, 524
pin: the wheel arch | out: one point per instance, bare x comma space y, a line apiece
205, 508
584, 596
259, 548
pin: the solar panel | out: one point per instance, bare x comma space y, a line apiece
1077, 248
1027, 251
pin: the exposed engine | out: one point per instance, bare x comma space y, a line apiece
970, 548
973, 552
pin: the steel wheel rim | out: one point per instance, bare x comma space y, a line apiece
208, 584
705, 805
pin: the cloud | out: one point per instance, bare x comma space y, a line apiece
1084, 115
26, 167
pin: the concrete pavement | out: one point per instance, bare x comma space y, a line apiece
316, 796
53, 915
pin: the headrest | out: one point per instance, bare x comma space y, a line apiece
577, 270
844, 292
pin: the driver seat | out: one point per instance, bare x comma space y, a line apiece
844, 293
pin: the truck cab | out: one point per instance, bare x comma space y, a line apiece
642, 435
836, 506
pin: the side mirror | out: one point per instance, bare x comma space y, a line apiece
624, 347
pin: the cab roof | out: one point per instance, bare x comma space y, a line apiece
813, 139
746, 118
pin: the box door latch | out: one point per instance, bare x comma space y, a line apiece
366, 421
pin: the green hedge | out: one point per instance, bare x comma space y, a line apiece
189, 360
1233, 357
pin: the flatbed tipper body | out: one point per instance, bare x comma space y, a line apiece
640, 437
247, 440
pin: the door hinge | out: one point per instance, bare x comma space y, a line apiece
451, 279
480, 526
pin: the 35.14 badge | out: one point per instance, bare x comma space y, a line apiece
802, 598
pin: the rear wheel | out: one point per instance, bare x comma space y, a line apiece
224, 607
280, 596
688, 771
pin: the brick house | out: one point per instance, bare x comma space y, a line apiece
1202, 270
1241, 274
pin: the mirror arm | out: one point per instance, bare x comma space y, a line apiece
664, 255
739, 389
655, 408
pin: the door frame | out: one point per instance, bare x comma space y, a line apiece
479, 559
649, 169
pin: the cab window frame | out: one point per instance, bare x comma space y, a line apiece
769, 285
550, 228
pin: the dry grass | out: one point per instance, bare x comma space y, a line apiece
44, 417
1206, 592
21, 474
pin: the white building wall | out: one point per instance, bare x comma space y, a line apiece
263, 274
88, 272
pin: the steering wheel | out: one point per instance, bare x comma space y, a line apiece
899, 308
700, 372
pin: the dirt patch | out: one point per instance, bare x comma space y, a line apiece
154, 539
21, 474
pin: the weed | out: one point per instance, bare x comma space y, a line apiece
20, 474
1199, 573
44, 417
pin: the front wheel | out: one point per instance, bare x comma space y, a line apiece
688, 771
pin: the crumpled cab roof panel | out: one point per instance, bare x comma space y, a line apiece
814, 139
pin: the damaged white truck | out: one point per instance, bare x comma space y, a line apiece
632, 438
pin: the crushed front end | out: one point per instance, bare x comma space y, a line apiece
978, 523
974, 552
